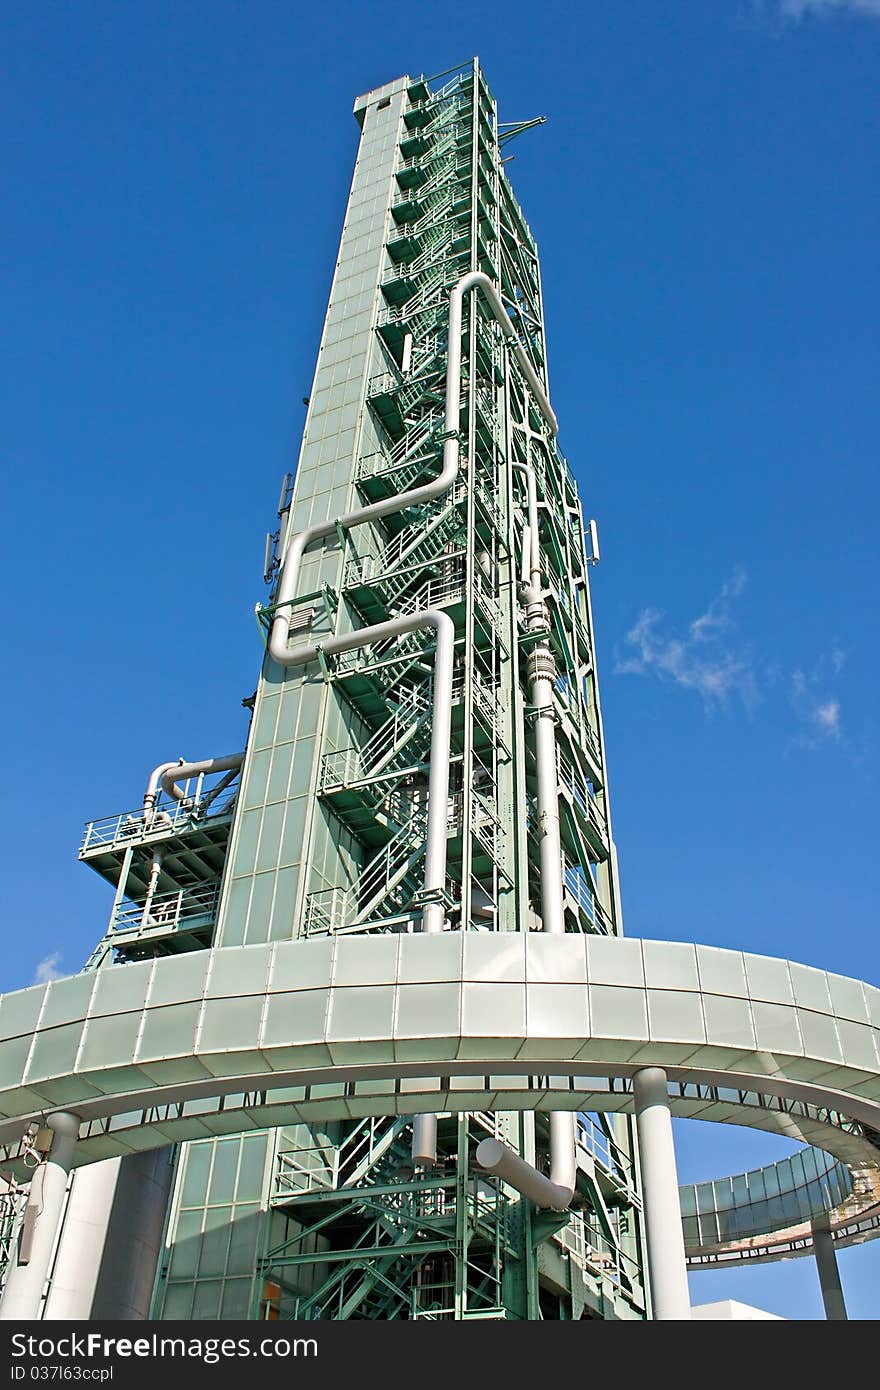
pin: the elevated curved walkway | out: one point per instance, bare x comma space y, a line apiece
240, 1038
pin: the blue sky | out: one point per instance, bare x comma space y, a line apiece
705, 199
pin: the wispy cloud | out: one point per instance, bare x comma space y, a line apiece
815, 702
797, 9
708, 657
705, 659
827, 716
47, 969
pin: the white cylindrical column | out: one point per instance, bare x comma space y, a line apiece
25, 1283
424, 1140
667, 1268
111, 1239
829, 1274
81, 1243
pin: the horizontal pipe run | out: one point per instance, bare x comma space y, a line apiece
182, 770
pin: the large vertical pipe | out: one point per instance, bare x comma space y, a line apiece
134, 1238
26, 1281
667, 1268
829, 1274
542, 674
424, 1135
557, 1190
111, 1239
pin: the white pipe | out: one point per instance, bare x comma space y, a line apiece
152, 791
424, 1130
424, 1140
557, 1190
155, 870
170, 772
667, 1266
25, 1282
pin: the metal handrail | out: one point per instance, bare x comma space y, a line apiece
109, 831
585, 800
375, 876
376, 561
602, 1148
577, 885
167, 909
593, 1251
347, 765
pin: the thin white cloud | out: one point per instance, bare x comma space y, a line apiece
797, 9
47, 969
717, 615
827, 716
705, 660
710, 660
815, 703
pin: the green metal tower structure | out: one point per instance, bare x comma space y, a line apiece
323, 828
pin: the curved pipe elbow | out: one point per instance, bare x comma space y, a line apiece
152, 791
477, 279
286, 655
172, 771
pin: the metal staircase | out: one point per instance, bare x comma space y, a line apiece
379, 577
397, 745
398, 1247
386, 885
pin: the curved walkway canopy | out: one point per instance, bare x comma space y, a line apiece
245, 1037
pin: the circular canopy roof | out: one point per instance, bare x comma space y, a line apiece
246, 1037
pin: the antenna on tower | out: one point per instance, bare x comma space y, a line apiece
593, 536
508, 130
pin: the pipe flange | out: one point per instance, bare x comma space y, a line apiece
541, 665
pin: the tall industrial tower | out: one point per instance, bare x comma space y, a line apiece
430, 609
363, 1039
391, 782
